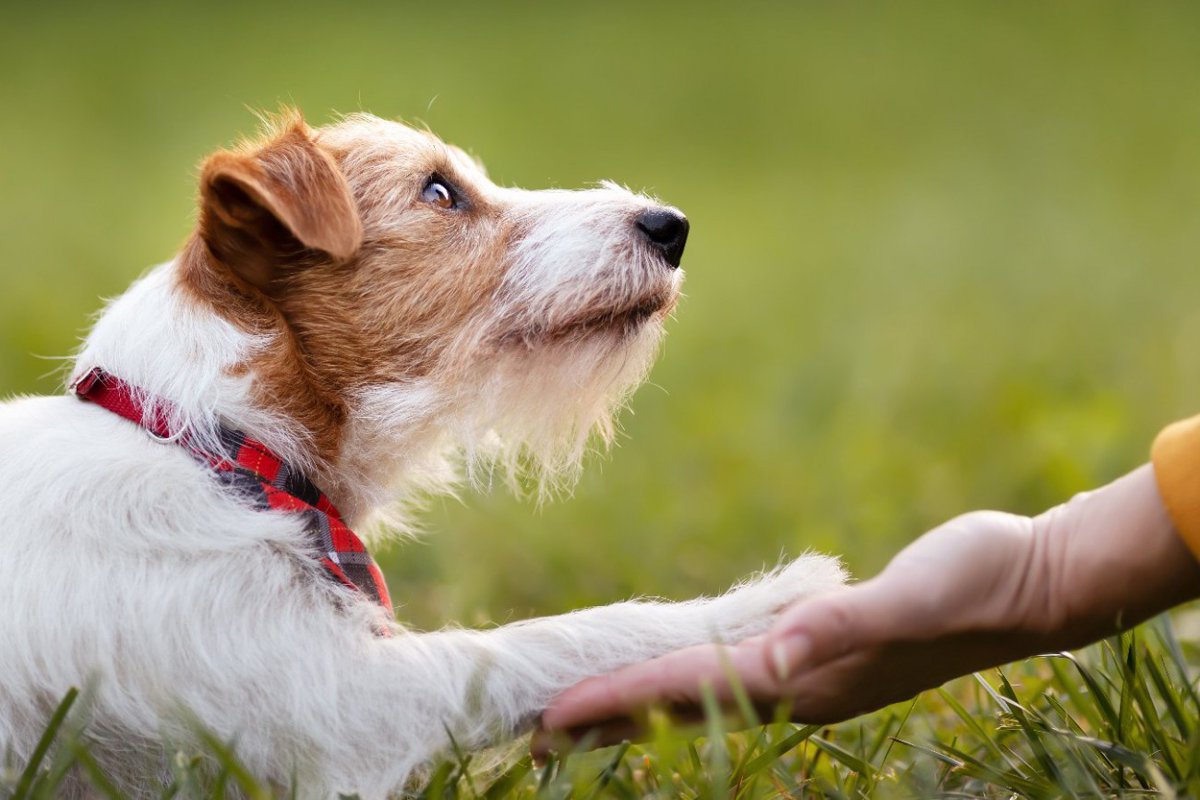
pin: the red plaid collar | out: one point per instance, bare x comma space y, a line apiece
259, 477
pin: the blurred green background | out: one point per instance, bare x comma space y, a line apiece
943, 255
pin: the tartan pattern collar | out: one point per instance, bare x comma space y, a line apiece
259, 477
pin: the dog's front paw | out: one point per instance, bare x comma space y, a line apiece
749, 608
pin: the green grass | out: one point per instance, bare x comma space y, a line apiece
1119, 720
943, 257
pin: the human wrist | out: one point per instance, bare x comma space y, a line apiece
1108, 559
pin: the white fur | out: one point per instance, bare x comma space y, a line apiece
126, 564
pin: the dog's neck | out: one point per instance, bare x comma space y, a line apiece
201, 367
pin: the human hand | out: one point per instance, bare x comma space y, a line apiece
983, 589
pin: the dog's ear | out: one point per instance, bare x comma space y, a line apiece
266, 207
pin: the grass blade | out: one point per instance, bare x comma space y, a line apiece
843, 756
774, 751
43, 746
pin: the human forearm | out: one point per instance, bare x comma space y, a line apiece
1112, 559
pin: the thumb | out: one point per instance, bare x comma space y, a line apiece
816, 631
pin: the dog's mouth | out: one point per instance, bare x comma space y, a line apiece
622, 321
627, 317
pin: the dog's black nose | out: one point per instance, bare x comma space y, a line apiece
667, 230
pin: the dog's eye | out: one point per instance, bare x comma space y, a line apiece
438, 193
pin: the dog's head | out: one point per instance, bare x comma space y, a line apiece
401, 288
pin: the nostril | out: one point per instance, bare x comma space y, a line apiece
667, 229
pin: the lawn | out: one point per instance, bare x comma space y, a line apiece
943, 257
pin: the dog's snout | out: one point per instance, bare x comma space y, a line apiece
667, 230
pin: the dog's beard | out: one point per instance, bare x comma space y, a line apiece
542, 405
527, 421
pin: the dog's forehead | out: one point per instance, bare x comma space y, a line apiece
401, 144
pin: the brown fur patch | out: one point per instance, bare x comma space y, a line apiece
270, 255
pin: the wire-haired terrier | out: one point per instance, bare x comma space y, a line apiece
359, 317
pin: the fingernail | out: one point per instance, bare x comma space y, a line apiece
789, 654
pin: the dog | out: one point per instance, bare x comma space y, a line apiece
358, 309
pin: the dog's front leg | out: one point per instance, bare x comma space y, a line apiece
376, 710
493, 684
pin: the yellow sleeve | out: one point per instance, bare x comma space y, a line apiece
1176, 459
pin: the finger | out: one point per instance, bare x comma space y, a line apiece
828, 627
618, 694
675, 680
840, 689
